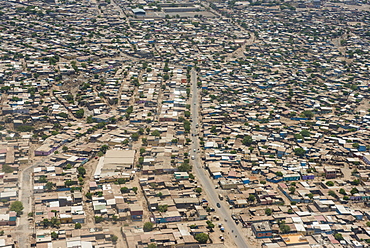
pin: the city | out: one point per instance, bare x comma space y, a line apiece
141, 123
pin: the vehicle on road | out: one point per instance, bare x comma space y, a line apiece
220, 196
192, 157
218, 205
195, 150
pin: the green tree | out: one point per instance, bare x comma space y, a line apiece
54, 235
98, 219
332, 193
134, 189
124, 190
354, 191
81, 171
152, 245
284, 228
268, 211
78, 225
156, 133
247, 140
185, 167
148, 226
104, 148
210, 225
342, 192
162, 208
135, 136
251, 198
49, 186
292, 190
330, 183
299, 152
202, 238
65, 148
7, 169
308, 114
279, 174
17, 207
80, 113
338, 236
114, 238
305, 133
198, 190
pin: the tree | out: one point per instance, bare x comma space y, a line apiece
54, 222
292, 190
54, 235
330, 183
268, 211
299, 152
68, 183
148, 226
368, 224
98, 219
152, 245
114, 238
134, 189
121, 181
305, 133
310, 195
247, 140
81, 171
198, 190
135, 136
78, 225
7, 169
284, 228
354, 191
332, 194
202, 238
355, 182
307, 114
124, 190
185, 167
251, 198
279, 174
162, 208
49, 186
17, 207
65, 148
104, 148
42, 179
338, 236
89, 195
80, 113
210, 225
142, 150
156, 133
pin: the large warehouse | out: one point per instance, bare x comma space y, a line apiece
114, 162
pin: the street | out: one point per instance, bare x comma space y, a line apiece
203, 178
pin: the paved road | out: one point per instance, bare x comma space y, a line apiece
203, 178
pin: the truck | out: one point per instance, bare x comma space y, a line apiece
220, 196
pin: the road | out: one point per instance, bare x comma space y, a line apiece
24, 227
203, 178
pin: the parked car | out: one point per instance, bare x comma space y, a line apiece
218, 205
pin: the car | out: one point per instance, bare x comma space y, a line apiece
194, 150
218, 205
